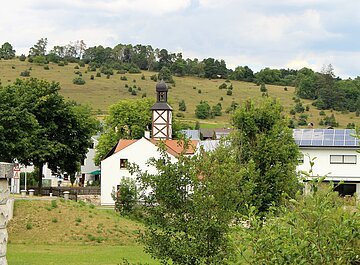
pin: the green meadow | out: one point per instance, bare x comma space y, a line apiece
102, 92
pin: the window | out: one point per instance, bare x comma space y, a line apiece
66, 177
162, 97
91, 145
83, 162
342, 159
123, 163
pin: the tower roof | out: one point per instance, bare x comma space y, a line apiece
161, 86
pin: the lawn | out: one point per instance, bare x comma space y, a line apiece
37, 254
67, 232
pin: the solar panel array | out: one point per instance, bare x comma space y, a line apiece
325, 137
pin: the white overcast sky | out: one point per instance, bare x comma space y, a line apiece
257, 33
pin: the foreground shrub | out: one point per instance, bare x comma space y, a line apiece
313, 229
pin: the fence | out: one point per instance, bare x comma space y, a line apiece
74, 191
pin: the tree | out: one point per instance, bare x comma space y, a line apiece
190, 208
39, 49
263, 87
243, 73
7, 51
182, 105
203, 110
60, 133
165, 74
306, 84
128, 119
262, 137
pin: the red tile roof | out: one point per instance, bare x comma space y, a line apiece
174, 147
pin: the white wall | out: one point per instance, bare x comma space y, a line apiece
139, 153
349, 173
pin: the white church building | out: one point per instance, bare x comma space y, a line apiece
113, 166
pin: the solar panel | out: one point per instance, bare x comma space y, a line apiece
326, 137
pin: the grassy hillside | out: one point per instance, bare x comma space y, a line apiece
66, 232
101, 92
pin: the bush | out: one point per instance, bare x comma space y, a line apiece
313, 229
92, 77
285, 89
203, 110
30, 60
299, 108
180, 115
29, 226
134, 70
22, 57
182, 105
46, 67
125, 198
133, 93
194, 87
106, 71
229, 92
78, 81
25, 73
223, 86
221, 98
98, 74
107, 76
154, 78
143, 77
61, 64
121, 72
130, 89
76, 67
263, 88
81, 64
199, 91
143, 95
322, 113
123, 78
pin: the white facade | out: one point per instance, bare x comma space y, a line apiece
88, 166
138, 152
338, 164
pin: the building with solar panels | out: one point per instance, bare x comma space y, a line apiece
335, 156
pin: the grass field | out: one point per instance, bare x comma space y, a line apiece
101, 92
66, 232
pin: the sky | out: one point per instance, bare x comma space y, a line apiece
257, 33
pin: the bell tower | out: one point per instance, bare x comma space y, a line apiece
161, 114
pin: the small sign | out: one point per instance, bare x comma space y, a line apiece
16, 167
16, 175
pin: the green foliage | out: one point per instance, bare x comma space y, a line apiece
133, 92
154, 78
22, 57
29, 226
98, 74
299, 108
189, 227
25, 73
125, 197
322, 113
216, 110
124, 78
199, 91
128, 119
313, 229
263, 139
229, 92
92, 77
223, 86
263, 88
6, 51
330, 121
78, 81
165, 74
46, 67
39, 49
182, 105
203, 110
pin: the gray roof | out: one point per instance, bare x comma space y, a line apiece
191, 134
161, 106
326, 138
209, 145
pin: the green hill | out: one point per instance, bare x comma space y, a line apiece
102, 92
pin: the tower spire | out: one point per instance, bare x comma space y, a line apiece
161, 114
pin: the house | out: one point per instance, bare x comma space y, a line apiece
139, 152
334, 153
214, 134
89, 172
